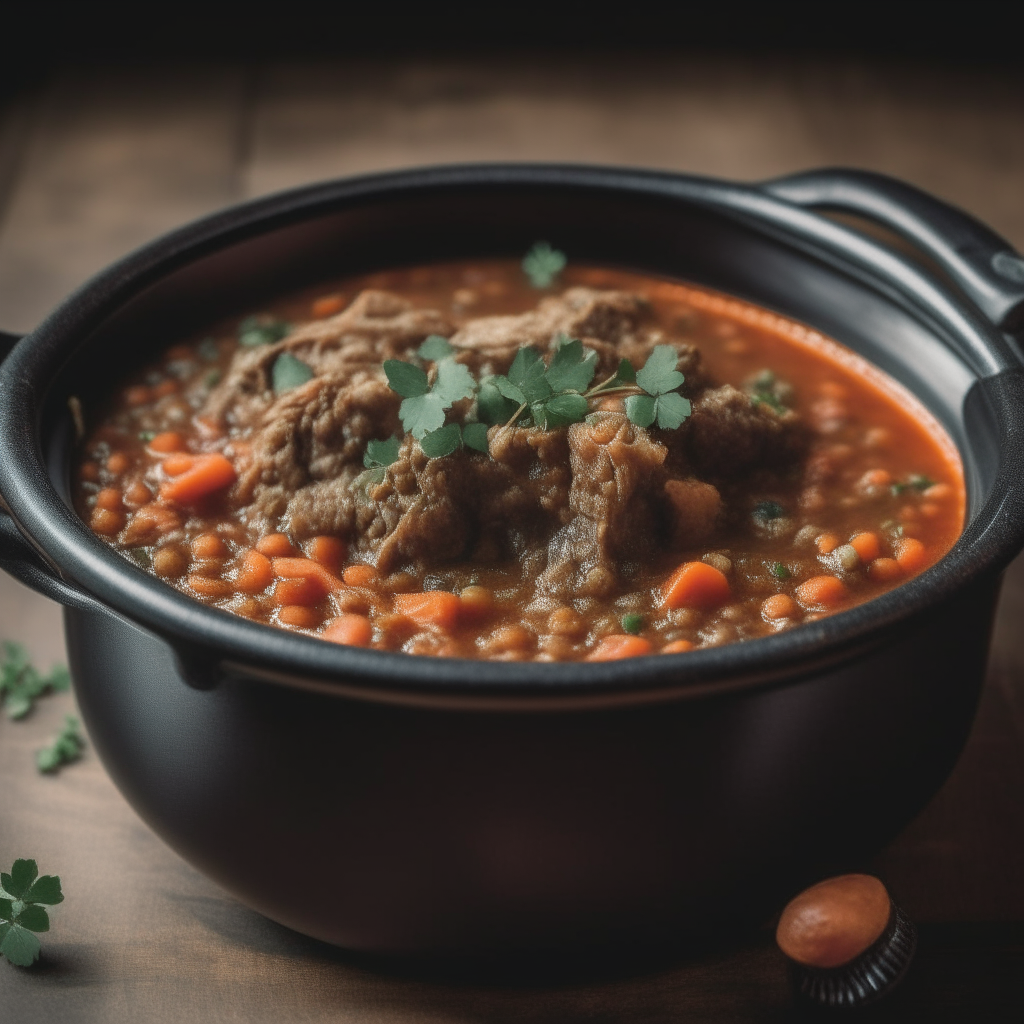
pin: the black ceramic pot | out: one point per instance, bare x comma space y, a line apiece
434, 807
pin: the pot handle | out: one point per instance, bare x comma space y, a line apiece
985, 266
20, 559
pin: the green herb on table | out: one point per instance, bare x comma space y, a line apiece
21, 683
67, 746
632, 623
542, 264
23, 897
289, 373
261, 330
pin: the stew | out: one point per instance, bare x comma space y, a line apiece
471, 461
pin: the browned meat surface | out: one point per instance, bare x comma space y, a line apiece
576, 507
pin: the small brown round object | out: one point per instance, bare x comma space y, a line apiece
833, 922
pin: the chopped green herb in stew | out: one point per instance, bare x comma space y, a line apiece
441, 461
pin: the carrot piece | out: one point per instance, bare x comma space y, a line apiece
275, 545
306, 568
867, 546
254, 573
167, 442
696, 585
477, 602
328, 551
827, 543
620, 645
90, 472
779, 606
118, 462
298, 615
876, 478
305, 590
432, 608
138, 494
209, 586
165, 387
208, 545
359, 575
885, 570
151, 522
137, 395
328, 305
169, 561
938, 492
177, 463
911, 554
353, 630
821, 592
110, 499
209, 473
106, 521
678, 647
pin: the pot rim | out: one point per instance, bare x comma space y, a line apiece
205, 636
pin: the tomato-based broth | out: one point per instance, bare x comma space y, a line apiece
459, 460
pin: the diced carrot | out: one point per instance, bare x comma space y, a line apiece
208, 474
209, 545
168, 441
620, 645
678, 647
306, 568
298, 615
138, 494
275, 545
779, 606
165, 387
477, 602
930, 510
827, 543
359, 575
177, 463
254, 573
938, 492
150, 523
109, 498
169, 561
209, 586
137, 395
328, 551
876, 478
821, 592
90, 472
867, 546
305, 591
328, 305
433, 608
104, 521
118, 463
885, 570
353, 630
696, 585
911, 554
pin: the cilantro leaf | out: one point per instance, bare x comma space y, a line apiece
527, 374
21, 684
510, 391
381, 453
19, 945
261, 330
435, 348
492, 406
66, 747
34, 918
20, 911
454, 381
443, 441
560, 410
571, 369
407, 380
542, 264
641, 410
632, 623
626, 373
20, 880
474, 435
45, 889
289, 373
659, 374
671, 410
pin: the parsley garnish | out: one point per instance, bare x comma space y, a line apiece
425, 403
766, 389
435, 348
779, 571
289, 373
380, 454
766, 511
22, 898
66, 747
542, 264
21, 683
915, 481
261, 330
146, 435
632, 623
660, 379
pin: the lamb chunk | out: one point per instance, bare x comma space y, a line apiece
695, 507
727, 435
615, 519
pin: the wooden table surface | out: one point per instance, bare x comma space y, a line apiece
95, 163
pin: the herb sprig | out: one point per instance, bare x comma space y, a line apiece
542, 264
21, 683
23, 897
66, 747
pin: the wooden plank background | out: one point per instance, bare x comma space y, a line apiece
95, 163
